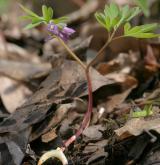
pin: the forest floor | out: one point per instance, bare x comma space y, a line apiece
44, 95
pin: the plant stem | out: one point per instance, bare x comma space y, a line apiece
98, 55
116, 38
110, 37
71, 53
87, 116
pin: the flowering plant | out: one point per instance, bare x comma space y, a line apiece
111, 19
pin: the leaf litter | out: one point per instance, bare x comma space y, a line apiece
47, 98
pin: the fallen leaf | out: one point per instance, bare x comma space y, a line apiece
58, 116
96, 156
13, 147
150, 59
67, 82
94, 132
23, 71
135, 127
13, 93
93, 147
17, 53
49, 136
117, 99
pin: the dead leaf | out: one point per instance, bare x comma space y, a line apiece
49, 136
13, 94
13, 147
17, 53
150, 59
117, 99
96, 156
23, 70
123, 64
135, 127
59, 115
94, 132
93, 147
67, 82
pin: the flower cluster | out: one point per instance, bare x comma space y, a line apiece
63, 33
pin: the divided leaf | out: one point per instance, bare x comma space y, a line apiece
32, 25
113, 16
47, 13
46, 18
29, 12
142, 31
144, 5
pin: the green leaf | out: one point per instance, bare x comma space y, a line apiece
114, 10
29, 12
127, 27
45, 12
149, 27
146, 111
30, 26
26, 17
111, 11
142, 31
125, 12
46, 18
50, 12
110, 16
36, 20
135, 11
113, 16
144, 5
145, 35
61, 19
101, 19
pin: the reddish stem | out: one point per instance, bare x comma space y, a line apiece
87, 116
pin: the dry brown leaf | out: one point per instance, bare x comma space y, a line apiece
94, 132
13, 94
49, 136
123, 64
150, 60
69, 81
118, 99
56, 119
97, 156
135, 127
15, 52
93, 147
23, 70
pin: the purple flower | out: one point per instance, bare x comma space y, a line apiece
53, 29
63, 33
68, 31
